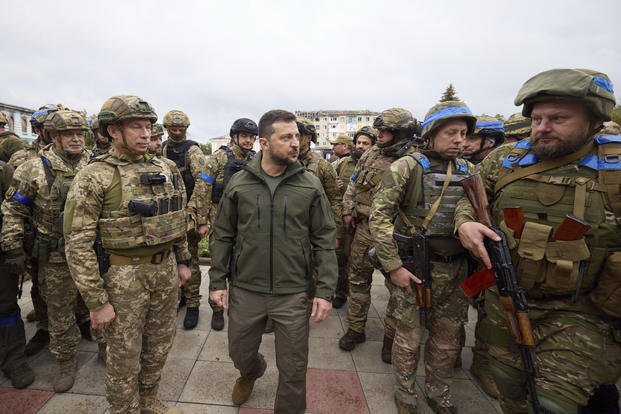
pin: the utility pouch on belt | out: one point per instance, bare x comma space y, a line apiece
607, 293
531, 251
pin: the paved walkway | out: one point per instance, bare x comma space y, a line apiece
199, 375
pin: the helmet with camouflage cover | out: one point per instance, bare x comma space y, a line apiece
367, 131
157, 130
244, 125
395, 119
610, 128
38, 118
591, 87
176, 118
489, 127
444, 111
517, 125
121, 107
341, 139
3, 120
93, 122
65, 120
306, 127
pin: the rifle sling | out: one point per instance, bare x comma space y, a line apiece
542, 166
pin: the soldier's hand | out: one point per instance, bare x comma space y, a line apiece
202, 230
402, 277
16, 258
471, 235
349, 222
321, 309
102, 317
219, 297
184, 273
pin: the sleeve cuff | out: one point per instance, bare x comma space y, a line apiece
392, 264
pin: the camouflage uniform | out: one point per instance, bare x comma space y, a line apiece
39, 189
10, 144
577, 344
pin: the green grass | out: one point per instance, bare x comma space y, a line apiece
203, 247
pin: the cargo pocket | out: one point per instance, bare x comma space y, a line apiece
563, 266
607, 292
530, 254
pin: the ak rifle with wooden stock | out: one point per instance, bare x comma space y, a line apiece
512, 296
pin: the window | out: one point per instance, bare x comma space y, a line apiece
24, 125
360, 118
368, 119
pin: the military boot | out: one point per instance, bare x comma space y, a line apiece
31, 316
66, 376
217, 320
351, 339
387, 350
153, 405
39, 341
403, 408
481, 373
191, 318
443, 407
21, 374
244, 385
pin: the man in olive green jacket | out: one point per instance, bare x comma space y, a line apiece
272, 219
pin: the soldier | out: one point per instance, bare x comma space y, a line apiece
344, 167
39, 189
9, 142
12, 335
37, 121
135, 203
418, 194
341, 146
190, 161
488, 134
517, 127
155, 142
396, 128
273, 218
221, 166
102, 143
570, 283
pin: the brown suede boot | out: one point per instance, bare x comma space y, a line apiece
243, 385
153, 405
66, 375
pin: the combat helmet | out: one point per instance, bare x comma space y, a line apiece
306, 127
3, 120
121, 107
444, 111
341, 139
37, 119
244, 125
610, 128
588, 86
157, 130
517, 125
176, 118
395, 119
65, 120
367, 131
489, 127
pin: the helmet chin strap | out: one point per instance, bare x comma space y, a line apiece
124, 148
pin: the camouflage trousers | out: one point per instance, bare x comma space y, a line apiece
360, 280
576, 351
342, 256
39, 305
449, 313
144, 298
191, 289
60, 293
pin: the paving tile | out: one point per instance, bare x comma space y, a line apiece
174, 377
378, 390
367, 358
215, 348
27, 401
244, 410
377, 308
330, 391
330, 328
91, 378
187, 344
204, 318
466, 396
325, 353
45, 368
75, 404
207, 409
375, 329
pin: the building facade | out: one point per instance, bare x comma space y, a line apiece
19, 120
329, 124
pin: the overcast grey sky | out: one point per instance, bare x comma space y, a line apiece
221, 60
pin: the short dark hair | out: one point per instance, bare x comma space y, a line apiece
268, 119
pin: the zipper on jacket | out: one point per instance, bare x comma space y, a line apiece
258, 213
272, 243
284, 217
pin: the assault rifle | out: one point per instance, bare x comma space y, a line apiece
512, 297
103, 258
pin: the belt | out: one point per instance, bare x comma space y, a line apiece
157, 258
434, 257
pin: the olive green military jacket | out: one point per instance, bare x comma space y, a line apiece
272, 244
9, 144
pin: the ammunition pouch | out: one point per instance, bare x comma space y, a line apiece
48, 249
607, 293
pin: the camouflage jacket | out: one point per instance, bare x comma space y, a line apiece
100, 149
6, 175
398, 190
323, 170
92, 194
34, 194
10, 144
216, 164
23, 155
344, 168
366, 178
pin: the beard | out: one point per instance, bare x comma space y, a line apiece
558, 149
284, 160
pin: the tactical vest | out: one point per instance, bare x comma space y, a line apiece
178, 154
311, 163
425, 188
152, 209
587, 188
232, 166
